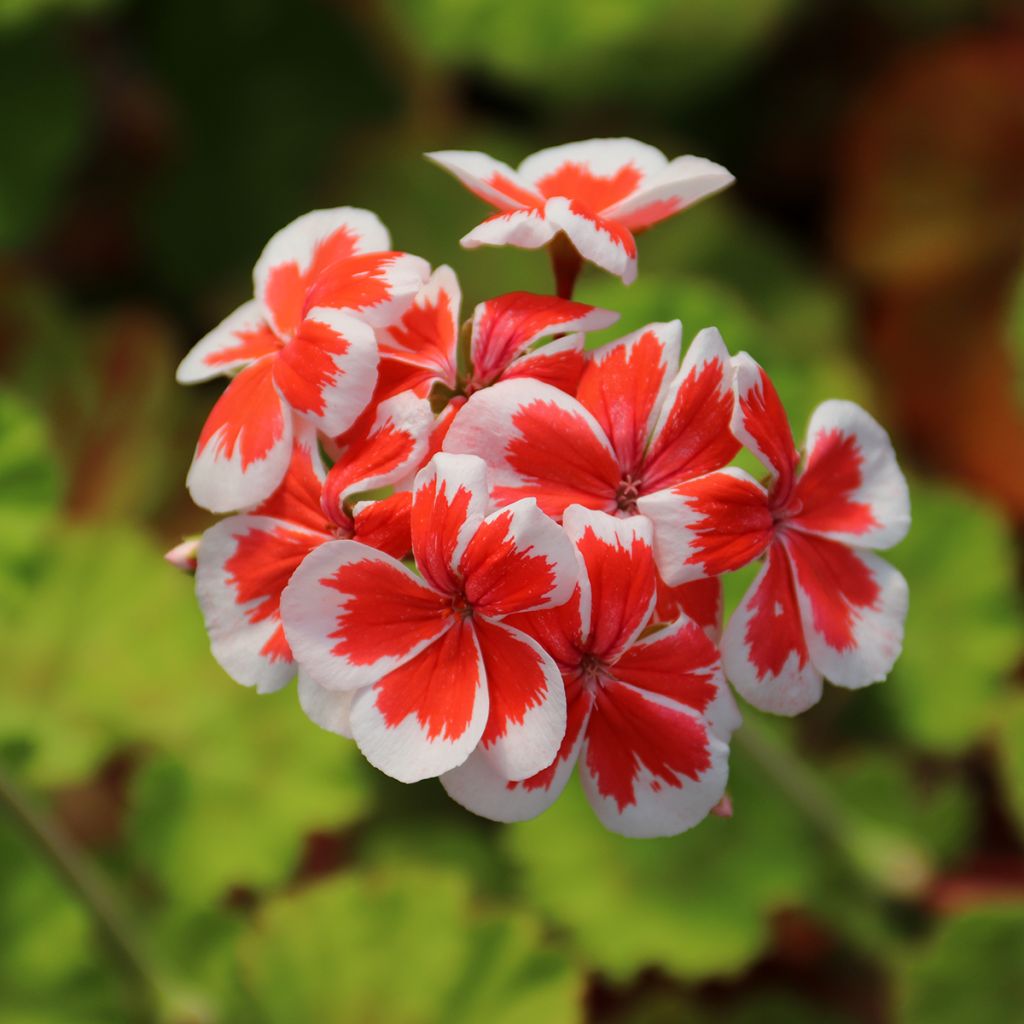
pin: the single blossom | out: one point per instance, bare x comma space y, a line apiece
824, 604
433, 667
245, 561
597, 192
640, 423
649, 715
421, 349
304, 345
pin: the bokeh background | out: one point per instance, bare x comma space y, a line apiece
254, 869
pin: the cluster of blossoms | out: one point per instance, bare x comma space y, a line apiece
490, 555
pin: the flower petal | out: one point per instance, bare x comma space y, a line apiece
479, 787
330, 709
618, 565
525, 229
448, 506
760, 422
526, 723
709, 525
624, 385
241, 338
650, 766
685, 181
425, 717
558, 363
425, 339
353, 614
328, 370
537, 442
504, 327
692, 434
493, 181
297, 498
853, 605
598, 173
851, 489
244, 564
391, 449
764, 650
605, 243
701, 600
376, 287
681, 663
245, 446
517, 560
300, 252
385, 524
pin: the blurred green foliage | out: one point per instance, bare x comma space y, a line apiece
267, 874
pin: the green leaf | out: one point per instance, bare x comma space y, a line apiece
232, 809
965, 629
399, 947
696, 905
46, 122
969, 970
29, 490
935, 811
650, 48
1010, 752
51, 967
109, 654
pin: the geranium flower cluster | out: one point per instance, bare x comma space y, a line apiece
491, 555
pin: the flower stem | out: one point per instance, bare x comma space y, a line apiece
89, 888
566, 263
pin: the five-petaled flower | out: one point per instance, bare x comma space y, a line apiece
421, 349
598, 193
648, 713
824, 604
245, 561
305, 345
640, 423
437, 669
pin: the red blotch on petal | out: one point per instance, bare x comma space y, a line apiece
248, 416
438, 686
591, 191
837, 583
627, 731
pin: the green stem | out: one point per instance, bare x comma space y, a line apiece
89, 888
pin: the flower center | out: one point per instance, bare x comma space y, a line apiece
461, 607
593, 672
626, 495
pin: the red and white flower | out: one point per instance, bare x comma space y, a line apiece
640, 423
245, 561
435, 668
305, 345
824, 604
597, 192
649, 715
421, 349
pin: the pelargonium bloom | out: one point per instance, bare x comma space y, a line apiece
649, 714
245, 561
304, 345
824, 604
421, 348
435, 668
640, 423
597, 192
